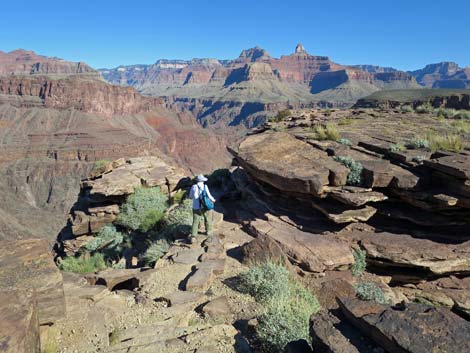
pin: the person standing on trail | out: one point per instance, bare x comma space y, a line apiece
203, 203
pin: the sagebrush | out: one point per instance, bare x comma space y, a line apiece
360, 263
83, 264
370, 291
143, 209
287, 305
355, 170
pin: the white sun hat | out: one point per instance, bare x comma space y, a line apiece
201, 177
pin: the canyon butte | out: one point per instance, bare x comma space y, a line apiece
355, 179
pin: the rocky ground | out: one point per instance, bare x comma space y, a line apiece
387, 257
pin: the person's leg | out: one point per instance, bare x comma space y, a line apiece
208, 221
196, 221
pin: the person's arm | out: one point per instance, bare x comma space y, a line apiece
209, 194
191, 192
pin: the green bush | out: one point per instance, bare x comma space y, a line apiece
355, 173
178, 196
266, 281
418, 143
446, 113
407, 109
327, 132
424, 109
447, 142
399, 147
360, 263
287, 305
178, 221
155, 251
463, 114
83, 264
107, 237
281, 115
345, 141
370, 291
143, 209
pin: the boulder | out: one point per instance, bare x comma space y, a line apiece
263, 249
29, 265
288, 164
326, 338
217, 309
413, 328
19, 324
313, 252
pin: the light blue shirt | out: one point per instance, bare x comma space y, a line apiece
195, 194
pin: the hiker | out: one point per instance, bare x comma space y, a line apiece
203, 203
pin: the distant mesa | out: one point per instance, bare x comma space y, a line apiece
27, 62
254, 54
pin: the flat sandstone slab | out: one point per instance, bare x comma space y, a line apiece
29, 265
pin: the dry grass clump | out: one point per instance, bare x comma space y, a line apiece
327, 132
447, 142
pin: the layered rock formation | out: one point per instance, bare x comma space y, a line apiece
443, 75
408, 216
55, 126
257, 78
25, 62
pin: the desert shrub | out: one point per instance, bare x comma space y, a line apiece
265, 281
83, 264
398, 147
446, 113
155, 251
327, 132
327, 112
424, 108
287, 305
463, 114
461, 126
346, 121
370, 291
360, 263
407, 109
345, 141
355, 169
143, 209
178, 221
281, 115
447, 142
178, 197
100, 165
107, 237
418, 143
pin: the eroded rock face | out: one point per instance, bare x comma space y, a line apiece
28, 265
19, 326
402, 250
412, 328
29, 63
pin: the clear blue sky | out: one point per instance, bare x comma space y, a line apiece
403, 34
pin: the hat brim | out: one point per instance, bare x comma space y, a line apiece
202, 179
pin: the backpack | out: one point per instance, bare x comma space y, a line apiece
204, 200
